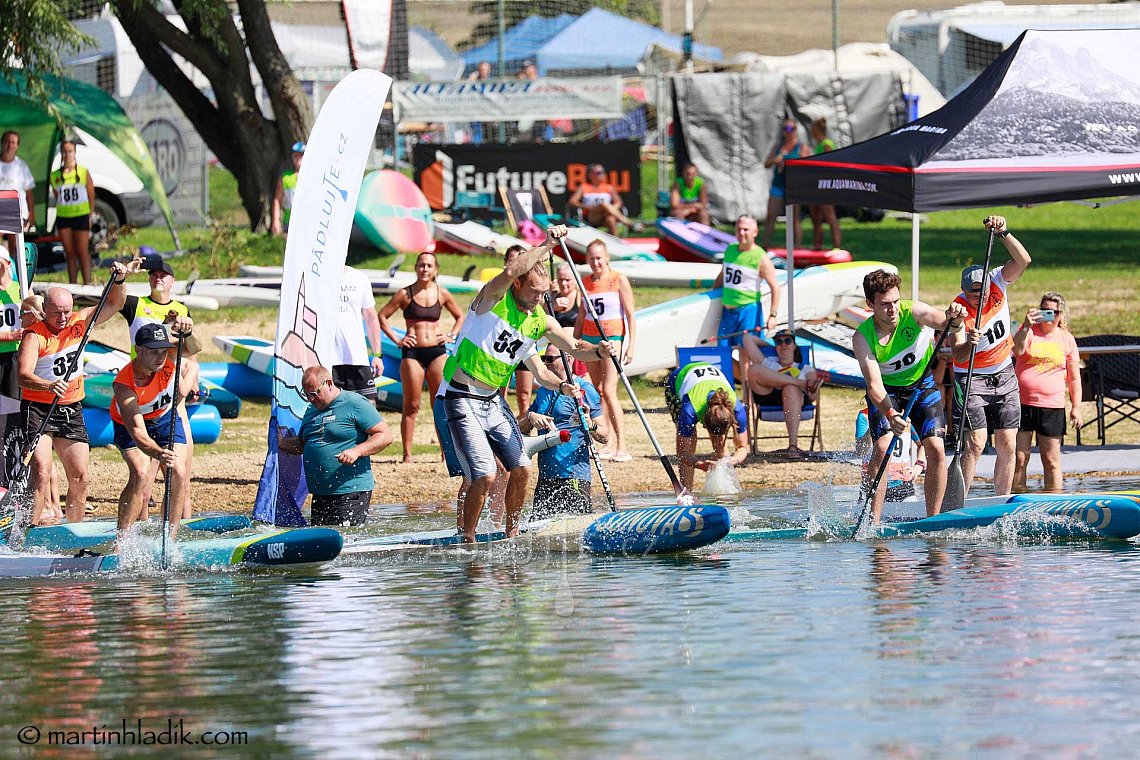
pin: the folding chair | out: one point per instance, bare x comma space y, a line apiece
476, 206
1112, 380
761, 412
718, 356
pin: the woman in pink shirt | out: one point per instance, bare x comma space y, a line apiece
1046, 361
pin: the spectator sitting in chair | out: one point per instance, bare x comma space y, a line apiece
599, 202
782, 380
689, 198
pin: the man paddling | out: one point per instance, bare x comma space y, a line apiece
502, 329
47, 352
141, 413
894, 347
995, 400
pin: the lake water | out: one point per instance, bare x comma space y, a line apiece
970, 645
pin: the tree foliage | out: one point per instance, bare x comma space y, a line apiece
514, 11
33, 33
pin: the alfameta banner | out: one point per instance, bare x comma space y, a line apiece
509, 99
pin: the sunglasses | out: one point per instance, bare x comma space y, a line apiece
315, 392
784, 341
551, 359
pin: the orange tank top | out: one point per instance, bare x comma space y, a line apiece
56, 352
155, 398
595, 195
605, 296
995, 349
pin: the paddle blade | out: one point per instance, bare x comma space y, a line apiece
955, 497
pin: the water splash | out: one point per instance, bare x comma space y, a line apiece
721, 480
825, 517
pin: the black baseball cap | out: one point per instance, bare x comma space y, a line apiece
155, 263
153, 335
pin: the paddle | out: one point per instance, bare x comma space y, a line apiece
955, 496
914, 394
582, 423
21, 469
395, 265
683, 496
715, 338
170, 447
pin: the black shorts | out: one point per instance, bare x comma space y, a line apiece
425, 355
354, 377
561, 496
1047, 422
80, 223
66, 421
776, 398
340, 509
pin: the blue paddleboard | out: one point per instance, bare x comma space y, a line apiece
75, 536
653, 530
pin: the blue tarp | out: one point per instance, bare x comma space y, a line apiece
596, 40
523, 41
603, 40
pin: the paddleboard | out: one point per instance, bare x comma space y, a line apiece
1105, 515
94, 292
690, 320
853, 316
698, 242
473, 239
808, 257
383, 283
301, 546
579, 237
831, 348
238, 292
75, 536
205, 424
664, 274
237, 379
393, 213
647, 530
257, 355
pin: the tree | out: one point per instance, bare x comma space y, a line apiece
232, 125
515, 11
32, 34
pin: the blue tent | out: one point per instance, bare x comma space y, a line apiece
602, 40
523, 41
595, 41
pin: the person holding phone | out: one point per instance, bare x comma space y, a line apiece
1046, 361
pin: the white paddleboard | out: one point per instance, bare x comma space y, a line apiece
664, 274
474, 239
382, 282
134, 289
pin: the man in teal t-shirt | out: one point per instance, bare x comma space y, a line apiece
339, 432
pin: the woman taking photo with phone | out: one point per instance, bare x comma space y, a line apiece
1046, 362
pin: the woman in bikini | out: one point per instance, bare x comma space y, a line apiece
422, 346
611, 296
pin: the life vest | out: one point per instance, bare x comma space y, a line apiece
491, 345
71, 192
155, 398
605, 297
56, 351
995, 349
902, 361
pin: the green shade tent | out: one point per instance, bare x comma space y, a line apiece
87, 108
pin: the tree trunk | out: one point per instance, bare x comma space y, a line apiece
249, 144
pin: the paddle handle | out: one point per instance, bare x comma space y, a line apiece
673, 479
170, 447
982, 298
895, 440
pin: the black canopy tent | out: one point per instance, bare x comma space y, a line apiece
1055, 117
